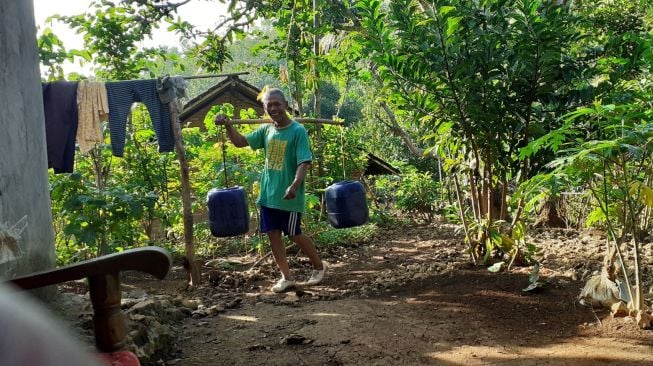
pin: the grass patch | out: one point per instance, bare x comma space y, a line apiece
328, 236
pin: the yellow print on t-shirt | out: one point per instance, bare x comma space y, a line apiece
276, 154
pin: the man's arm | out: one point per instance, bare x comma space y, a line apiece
236, 137
300, 174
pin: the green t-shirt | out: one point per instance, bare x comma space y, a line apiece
285, 148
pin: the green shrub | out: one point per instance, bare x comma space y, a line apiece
415, 193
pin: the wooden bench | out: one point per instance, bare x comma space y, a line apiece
103, 276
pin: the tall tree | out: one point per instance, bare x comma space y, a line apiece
479, 79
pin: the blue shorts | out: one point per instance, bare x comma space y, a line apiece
286, 221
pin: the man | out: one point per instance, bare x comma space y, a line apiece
281, 198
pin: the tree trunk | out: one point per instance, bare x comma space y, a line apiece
503, 211
488, 193
474, 196
470, 240
317, 106
24, 188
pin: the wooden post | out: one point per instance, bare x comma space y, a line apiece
193, 269
108, 319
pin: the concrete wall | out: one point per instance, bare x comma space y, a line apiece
23, 162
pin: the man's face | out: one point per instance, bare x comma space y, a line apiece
275, 107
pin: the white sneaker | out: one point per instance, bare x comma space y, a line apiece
317, 276
282, 285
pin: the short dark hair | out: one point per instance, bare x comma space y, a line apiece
273, 91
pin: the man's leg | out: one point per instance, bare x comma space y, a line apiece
305, 243
279, 253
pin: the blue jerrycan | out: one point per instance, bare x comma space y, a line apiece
346, 204
228, 212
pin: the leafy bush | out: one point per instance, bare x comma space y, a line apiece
96, 222
415, 193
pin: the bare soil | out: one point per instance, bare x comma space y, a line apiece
408, 297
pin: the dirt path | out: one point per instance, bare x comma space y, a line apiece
408, 298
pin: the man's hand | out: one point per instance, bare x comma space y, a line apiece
236, 138
290, 193
221, 119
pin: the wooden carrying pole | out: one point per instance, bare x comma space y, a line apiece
322, 121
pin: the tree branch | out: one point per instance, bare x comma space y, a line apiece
398, 131
163, 4
346, 12
168, 5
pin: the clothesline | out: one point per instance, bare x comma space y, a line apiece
190, 77
215, 75
75, 110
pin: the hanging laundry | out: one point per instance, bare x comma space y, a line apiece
171, 87
60, 109
121, 96
93, 108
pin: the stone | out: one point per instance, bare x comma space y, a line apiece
258, 347
171, 314
191, 303
136, 294
571, 274
139, 317
644, 320
619, 310
233, 303
148, 337
291, 297
199, 314
420, 276
215, 309
72, 301
144, 307
294, 339
597, 257
126, 303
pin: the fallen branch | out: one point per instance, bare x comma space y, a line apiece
265, 256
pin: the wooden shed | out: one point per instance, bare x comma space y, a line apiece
233, 90
378, 166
